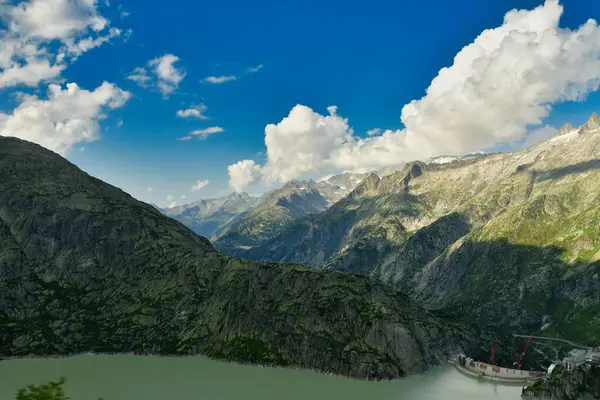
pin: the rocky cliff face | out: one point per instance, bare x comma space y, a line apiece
581, 384
510, 239
85, 267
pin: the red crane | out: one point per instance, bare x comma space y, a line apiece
494, 350
524, 351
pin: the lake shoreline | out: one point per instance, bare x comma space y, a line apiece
148, 377
202, 356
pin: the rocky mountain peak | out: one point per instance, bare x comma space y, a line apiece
336, 187
566, 128
369, 184
593, 124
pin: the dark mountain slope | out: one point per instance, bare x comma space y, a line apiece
85, 267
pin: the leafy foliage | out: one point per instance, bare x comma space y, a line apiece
52, 390
48, 391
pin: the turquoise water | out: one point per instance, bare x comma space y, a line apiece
195, 378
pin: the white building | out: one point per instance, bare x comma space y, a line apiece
575, 358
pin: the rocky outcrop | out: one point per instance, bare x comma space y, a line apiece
84, 267
566, 128
592, 125
581, 384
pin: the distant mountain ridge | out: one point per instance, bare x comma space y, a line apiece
209, 217
238, 221
336, 187
274, 211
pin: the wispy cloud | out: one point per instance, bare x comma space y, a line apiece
140, 76
202, 133
200, 184
196, 111
162, 73
219, 79
537, 135
253, 70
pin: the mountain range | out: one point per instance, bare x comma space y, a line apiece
510, 240
209, 217
238, 222
84, 267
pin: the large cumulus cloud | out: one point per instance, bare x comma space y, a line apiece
497, 88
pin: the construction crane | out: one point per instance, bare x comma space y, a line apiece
524, 351
494, 351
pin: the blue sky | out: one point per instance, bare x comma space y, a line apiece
367, 58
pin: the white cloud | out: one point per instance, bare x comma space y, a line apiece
172, 204
196, 111
202, 134
168, 75
242, 173
497, 89
373, 132
169, 197
84, 45
183, 197
140, 76
253, 70
537, 135
68, 117
42, 36
200, 184
149, 189
165, 75
228, 78
119, 123
219, 79
125, 14
302, 143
